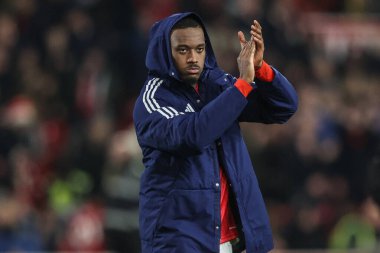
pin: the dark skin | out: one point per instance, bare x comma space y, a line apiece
188, 51
257, 37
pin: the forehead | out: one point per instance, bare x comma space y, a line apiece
187, 36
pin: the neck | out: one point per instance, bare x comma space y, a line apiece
196, 87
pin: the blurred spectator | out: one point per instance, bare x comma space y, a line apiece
19, 227
121, 183
357, 229
84, 232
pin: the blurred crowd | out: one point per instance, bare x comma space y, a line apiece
70, 71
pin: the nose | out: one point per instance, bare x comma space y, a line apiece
192, 57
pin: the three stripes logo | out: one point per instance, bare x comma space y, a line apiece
152, 105
189, 108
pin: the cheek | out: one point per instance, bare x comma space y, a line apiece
175, 59
203, 60
180, 61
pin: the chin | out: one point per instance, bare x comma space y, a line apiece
190, 80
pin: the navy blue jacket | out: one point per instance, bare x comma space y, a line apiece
185, 137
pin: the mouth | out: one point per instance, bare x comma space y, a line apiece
193, 70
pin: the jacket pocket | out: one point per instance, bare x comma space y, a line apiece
187, 218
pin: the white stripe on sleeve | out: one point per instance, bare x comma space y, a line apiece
152, 105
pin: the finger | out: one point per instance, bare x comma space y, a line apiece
245, 49
257, 24
241, 39
255, 34
245, 52
251, 48
258, 39
256, 29
259, 43
251, 52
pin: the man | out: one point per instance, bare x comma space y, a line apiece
199, 192
358, 228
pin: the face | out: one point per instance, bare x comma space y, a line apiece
189, 53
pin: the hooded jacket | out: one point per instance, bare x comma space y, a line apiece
185, 136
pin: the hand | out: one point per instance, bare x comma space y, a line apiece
246, 58
256, 32
256, 35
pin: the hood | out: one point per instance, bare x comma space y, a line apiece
159, 59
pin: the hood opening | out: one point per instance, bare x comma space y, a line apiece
159, 60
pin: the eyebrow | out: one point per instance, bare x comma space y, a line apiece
184, 45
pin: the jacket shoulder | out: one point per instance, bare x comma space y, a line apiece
219, 78
156, 98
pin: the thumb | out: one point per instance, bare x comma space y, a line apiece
241, 39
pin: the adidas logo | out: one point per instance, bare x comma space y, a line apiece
189, 108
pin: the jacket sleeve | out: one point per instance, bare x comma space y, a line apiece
160, 125
271, 102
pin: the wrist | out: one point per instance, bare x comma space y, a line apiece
243, 86
258, 67
247, 79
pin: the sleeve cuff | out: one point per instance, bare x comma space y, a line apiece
265, 73
244, 87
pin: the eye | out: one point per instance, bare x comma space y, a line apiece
182, 50
200, 49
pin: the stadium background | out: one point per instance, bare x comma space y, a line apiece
69, 162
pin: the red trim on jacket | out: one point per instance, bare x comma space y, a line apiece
265, 73
244, 87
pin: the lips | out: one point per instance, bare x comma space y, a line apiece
193, 70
